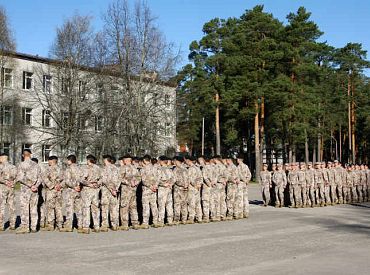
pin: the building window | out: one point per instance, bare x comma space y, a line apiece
166, 100
26, 146
27, 116
46, 118
66, 82
65, 120
83, 122
7, 115
82, 90
6, 148
46, 83
98, 123
27, 80
7, 78
167, 129
46, 150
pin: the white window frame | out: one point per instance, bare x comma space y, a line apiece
27, 146
99, 122
4, 73
46, 117
47, 83
7, 110
46, 152
27, 76
6, 147
27, 112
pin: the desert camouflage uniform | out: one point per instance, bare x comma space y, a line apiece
72, 198
90, 195
130, 179
53, 177
347, 187
294, 191
280, 182
180, 193
29, 174
110, 184
302, 187
337, 188
210, 180
8, 173
332, 185
368, 184
220, 202
232, 189
326, 173
194, 201
149, 177
319, 182
363, 184
356, 180
165, 201
244, 176
310, 180
266, 184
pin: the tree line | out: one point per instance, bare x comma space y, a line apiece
274, 91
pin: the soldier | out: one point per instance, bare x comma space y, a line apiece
338, 188
130, 178
280, 181
266, 184
220, 202
180, 191
165, 202
196, 181
310, 181
29, 176
110, 186
331, 183
347, 185
90, 195
326, 179
302, 184
244, 176
294, 191
8, 173
53, 178
355, 179
368, 182
149, 177
319, 182
358, 184
363, 183
214, 191
72, 194
208, 179
231, 189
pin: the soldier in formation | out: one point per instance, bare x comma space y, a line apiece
98, 198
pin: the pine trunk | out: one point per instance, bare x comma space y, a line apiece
218, 139
256, 142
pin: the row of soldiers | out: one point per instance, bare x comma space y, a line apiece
310, 185
165, 191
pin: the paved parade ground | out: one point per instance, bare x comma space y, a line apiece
330, 240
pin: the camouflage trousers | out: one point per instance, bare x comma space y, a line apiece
149, 201
54, 207
320, 193
295, 193
265, 192
304, 194
327, 199
333, 193
231, 191
354, 194
222, 194
109, 206
340, 193
359, 193
215, 202
7, 200
238, 209
245, 200
180, 197
165, 204
43, 210
346, 194
311, 196
364, 192
29, 214
206, 197
279, 195
90, 205
128, 205
72, 205
194, 204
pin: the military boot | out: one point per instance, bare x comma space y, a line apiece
22, 230
49, 227
96, 229
104, 229
135, 226
85, 230
144, 226
123, 228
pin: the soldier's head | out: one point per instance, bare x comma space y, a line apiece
147, 159
362, 167
125, 160
322, 164
287, 166
302, 166
264, 167
113, 160
279, 166
53, 160
201, 160
273, 167
178, 160
26, 154
91, 159
107, 159
309, 165
163, 161
4, 158
35, 160
71, 159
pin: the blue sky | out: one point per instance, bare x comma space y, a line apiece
34, 21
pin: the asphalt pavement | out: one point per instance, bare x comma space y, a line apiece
327, 240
